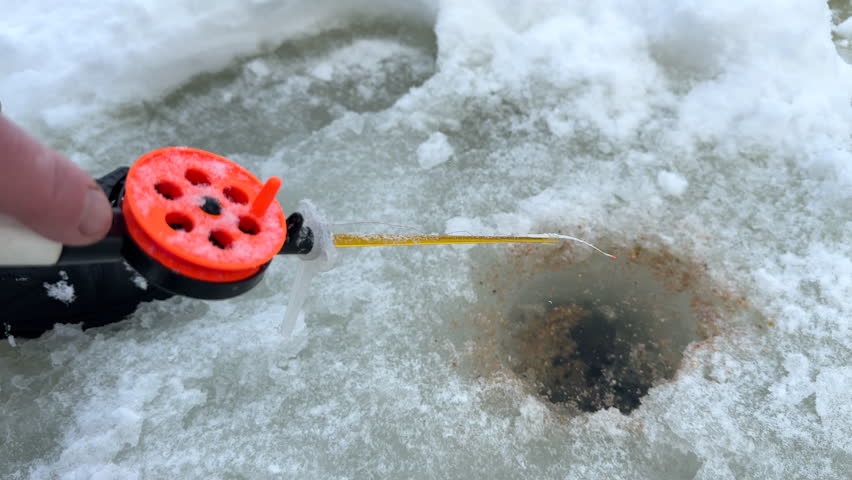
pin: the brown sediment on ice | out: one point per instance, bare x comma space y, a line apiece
586, 332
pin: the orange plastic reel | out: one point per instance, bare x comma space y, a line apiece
202, 215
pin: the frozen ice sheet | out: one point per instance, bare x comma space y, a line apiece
560, 115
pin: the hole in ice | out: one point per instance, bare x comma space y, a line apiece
587, 333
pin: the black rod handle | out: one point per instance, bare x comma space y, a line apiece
107, 250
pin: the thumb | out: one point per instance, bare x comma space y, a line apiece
47, 192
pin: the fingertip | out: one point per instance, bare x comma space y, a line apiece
48, 192
96, 216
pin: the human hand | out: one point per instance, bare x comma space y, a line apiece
48, 192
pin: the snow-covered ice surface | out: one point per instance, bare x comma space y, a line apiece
716, 131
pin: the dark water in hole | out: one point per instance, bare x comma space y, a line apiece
587, 358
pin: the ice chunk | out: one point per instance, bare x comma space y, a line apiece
434, 151
323, 71
259, 68
672, 183
845, 28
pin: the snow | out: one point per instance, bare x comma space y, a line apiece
61, 290
434, 151
187, 38
715, 131
672, 183
832, 388
137, 279
845, 28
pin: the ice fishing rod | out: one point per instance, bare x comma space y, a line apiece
196, 224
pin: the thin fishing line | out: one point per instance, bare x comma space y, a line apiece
420, 232
569, 237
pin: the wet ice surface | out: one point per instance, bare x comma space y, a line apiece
686, 127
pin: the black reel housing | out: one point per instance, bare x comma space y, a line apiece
118, 246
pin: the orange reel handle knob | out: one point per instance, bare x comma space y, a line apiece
265, 197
